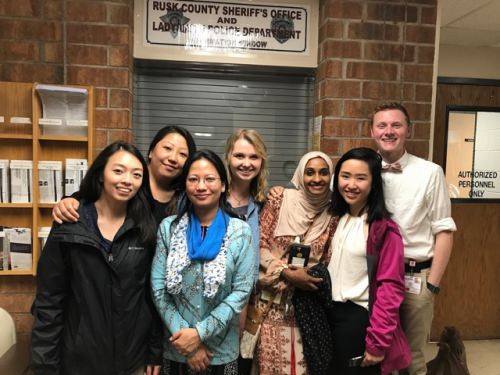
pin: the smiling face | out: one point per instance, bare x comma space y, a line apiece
317, 176
355, 184
204, 186
122, 177
244, 163
168, 157
390, 130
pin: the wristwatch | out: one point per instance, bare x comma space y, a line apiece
434, 289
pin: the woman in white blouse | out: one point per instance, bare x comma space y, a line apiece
367, 271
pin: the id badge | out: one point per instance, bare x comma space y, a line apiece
266, 296
413, 284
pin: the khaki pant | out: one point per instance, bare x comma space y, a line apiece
139, 371
416, 312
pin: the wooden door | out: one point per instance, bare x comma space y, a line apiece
470, 298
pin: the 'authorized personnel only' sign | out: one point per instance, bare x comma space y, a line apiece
220, 26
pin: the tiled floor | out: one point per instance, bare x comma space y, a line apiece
483, 356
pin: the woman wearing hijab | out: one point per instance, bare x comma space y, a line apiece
298, 214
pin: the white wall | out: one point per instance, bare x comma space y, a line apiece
468, 62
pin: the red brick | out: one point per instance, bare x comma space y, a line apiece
425, 55
19, 8
53, 9
20, 51
421, 130
101, 139
30, 29
423, 93
348, 144
16, 302
101, 97
418, 73
389, 52
329, 107
420, 34
369, 70
119, 56
419, 148
344, 9
120, 135
107, 77
340, 128
381, 90
17, 284
429, 16
120, 99
419, 112
97, 34
119, 14
342, 49
334, 29
23, 322
79, 54
85, 11
112, 119
19, 72
342, 89
330, 146
390, 12
408, 92
329, 69
53, 52
357, 108
373, 31
366, 127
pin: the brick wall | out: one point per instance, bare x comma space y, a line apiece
68, 42
369, 51
372, 52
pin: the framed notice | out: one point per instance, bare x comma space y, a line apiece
473, 153
247, 32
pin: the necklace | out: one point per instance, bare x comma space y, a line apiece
240, 201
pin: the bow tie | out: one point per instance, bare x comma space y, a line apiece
394, 167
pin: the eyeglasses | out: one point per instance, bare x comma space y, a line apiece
207, 180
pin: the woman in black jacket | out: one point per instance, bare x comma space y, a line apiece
93, 312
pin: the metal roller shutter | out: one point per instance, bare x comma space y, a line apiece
211, 105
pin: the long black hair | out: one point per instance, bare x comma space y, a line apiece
375, 202
139, 208
162, 133
217, 162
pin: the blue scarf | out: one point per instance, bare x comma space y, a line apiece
208, 248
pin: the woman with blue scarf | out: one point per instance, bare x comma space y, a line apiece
202, 274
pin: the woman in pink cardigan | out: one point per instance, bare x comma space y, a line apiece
367, 272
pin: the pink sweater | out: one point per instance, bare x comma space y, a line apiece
385, 259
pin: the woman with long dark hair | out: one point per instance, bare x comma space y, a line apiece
167, 154
93, 312
366, 270
202, 273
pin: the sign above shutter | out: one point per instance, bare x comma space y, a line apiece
244, 32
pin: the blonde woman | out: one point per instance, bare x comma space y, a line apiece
246, 160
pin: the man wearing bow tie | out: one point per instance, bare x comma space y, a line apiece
416, 194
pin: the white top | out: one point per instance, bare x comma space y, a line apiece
419, 202
348, 269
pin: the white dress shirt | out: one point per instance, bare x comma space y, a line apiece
348, 268
419, 202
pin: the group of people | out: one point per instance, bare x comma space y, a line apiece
150, 267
